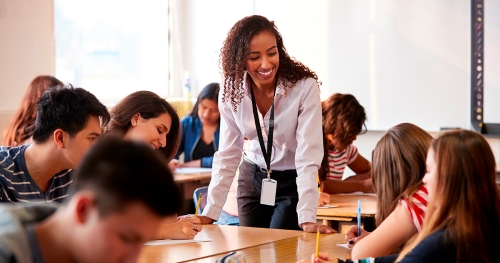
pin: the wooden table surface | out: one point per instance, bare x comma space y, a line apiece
348, 206
224, 240
291, 249
192, 177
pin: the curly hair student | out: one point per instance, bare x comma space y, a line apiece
264, 87
343, 120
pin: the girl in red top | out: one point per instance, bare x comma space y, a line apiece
397, 172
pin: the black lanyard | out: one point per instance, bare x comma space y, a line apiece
267, 154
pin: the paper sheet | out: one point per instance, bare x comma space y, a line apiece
343, 245
327, 206
192, 170
162, 242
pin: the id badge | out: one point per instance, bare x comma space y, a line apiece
268, 193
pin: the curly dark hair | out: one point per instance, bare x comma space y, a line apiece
234, 53
344, 118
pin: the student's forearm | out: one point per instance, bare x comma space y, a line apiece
358, 177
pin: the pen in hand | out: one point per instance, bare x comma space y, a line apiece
359, 218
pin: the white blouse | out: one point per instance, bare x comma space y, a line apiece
297, 144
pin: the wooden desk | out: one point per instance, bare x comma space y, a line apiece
192, 177
347, 209
224, 240
291, 249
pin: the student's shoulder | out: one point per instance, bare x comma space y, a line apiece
434, 248
8, 154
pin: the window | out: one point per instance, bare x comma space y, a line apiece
113, 48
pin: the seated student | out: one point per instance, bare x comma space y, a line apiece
397, 171
463, 220
68, 122
343, 120
200, 131
145, 117
107, 218
22, 125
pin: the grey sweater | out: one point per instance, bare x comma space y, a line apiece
14, 243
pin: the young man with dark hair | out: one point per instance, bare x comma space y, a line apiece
68, 122
121, 193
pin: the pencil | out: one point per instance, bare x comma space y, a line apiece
317, 243
198, 205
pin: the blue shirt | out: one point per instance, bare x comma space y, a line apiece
191, 134
16, 184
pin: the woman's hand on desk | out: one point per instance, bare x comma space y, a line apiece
312, 228
205, 220
351, 235
174, 164
182, 229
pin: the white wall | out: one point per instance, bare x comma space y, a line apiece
27, 30
27, 49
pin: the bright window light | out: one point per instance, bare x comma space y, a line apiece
113, 48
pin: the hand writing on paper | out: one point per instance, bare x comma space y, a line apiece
323, 199
312, 228
351, 235
324, 257
183, 229
173, 164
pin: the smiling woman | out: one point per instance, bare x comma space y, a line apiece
146, 117
272, 101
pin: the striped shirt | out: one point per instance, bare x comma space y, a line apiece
338, 160
418, 208
16, 184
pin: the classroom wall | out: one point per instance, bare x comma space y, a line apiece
367, 142
27, 30
27, 49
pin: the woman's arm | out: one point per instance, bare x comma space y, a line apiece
308, 156
225, 162
396, 230
361, 167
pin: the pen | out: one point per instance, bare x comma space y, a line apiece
317, 243
359, 218
198, 205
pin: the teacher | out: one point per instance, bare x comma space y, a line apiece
273, 101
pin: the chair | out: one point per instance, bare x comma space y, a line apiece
202, 190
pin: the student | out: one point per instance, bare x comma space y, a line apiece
107, 218
463, 219
255, 64
343, 120
21, 127
397, 172
144, 116
68, 122
200, 131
